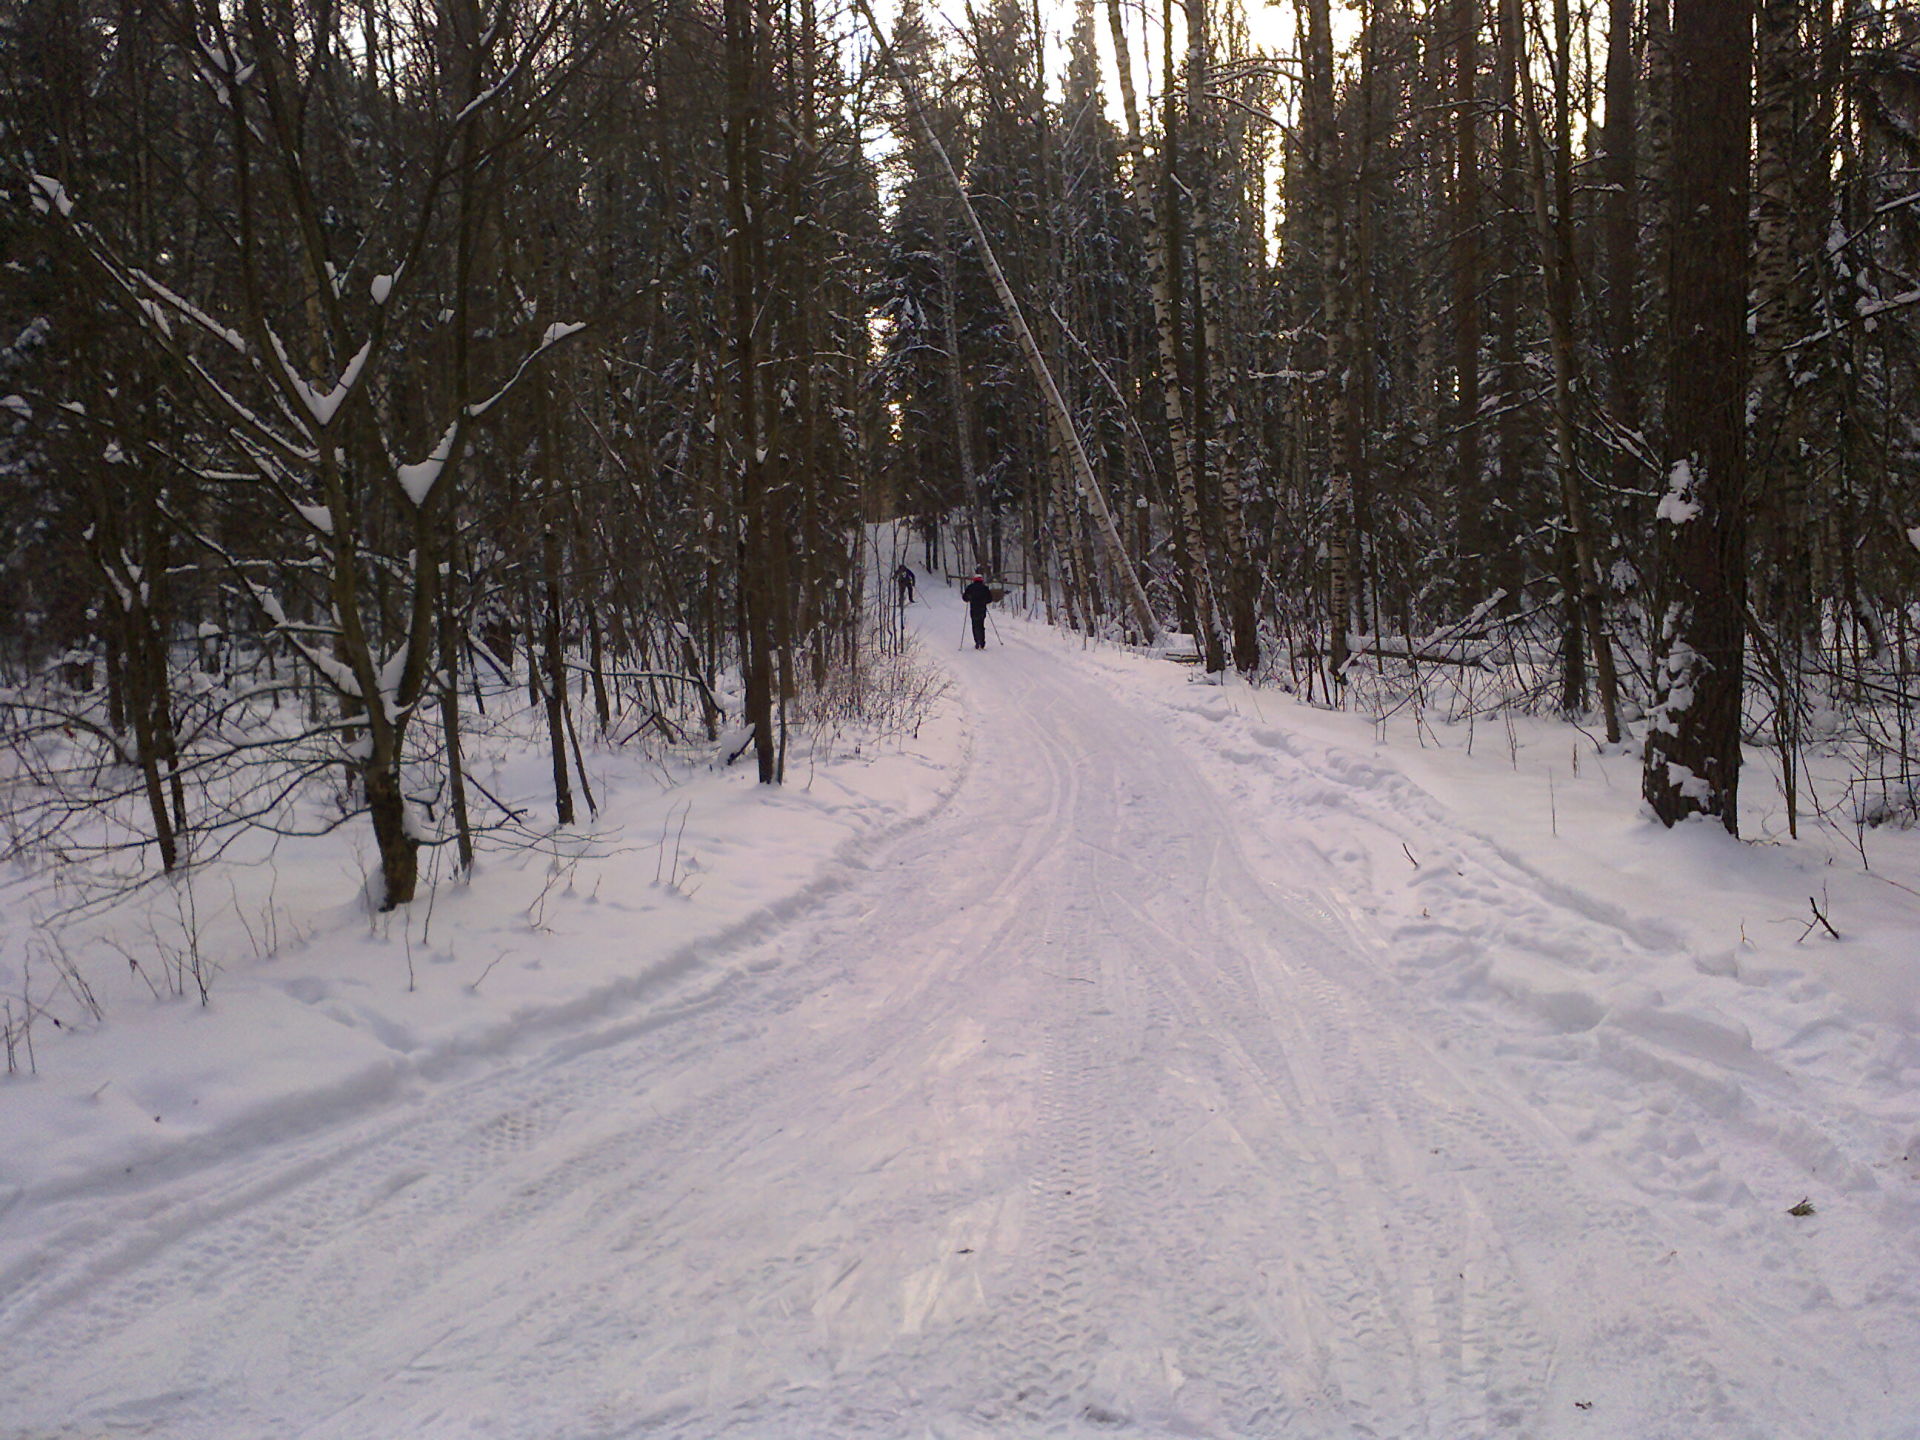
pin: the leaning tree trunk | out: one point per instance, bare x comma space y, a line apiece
1057, 412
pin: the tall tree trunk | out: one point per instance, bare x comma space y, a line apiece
746, 244
1469, 484
1232, 549
1789, 205
1158, 214
556, 675
1362, 320
1782, 321
1508, 301
1620, 233
1693, 746
1553, 223
972, 481
1321, 128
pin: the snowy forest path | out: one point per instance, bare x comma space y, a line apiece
1076, 1110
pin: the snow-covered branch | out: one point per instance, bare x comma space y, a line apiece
555, 334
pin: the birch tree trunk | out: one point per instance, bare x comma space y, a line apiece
1155, 214
1234, 552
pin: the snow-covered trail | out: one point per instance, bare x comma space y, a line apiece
1075, 1110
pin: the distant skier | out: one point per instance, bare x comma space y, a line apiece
903, 580
978, 597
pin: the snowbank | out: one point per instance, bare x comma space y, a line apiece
320, 1007
1511, 869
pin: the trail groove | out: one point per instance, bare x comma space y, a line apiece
1065, 1116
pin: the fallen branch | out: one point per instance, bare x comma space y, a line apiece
1407, 650
1818, 919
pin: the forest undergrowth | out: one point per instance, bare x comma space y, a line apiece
263, 779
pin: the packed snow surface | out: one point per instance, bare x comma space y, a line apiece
1120, 1056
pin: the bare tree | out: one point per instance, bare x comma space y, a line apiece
293, 350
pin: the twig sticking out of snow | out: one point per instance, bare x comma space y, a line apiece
1819, 920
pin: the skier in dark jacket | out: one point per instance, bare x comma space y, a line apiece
903, 581
978, 597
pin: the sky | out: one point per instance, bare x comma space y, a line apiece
1271, 28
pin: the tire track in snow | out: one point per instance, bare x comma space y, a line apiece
1652, 1199
1063, 1117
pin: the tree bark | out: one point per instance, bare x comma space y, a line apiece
1232, 548
1554, 224
1157, 216
1620, 232
1321, 128
556, 686
1693, 746
746, 243
1469, 484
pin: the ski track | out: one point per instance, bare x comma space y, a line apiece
1084, 1108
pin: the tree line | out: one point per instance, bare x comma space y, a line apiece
356, 355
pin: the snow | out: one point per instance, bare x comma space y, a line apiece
51, 193
318, 516
337, 672
1678, 506
1117, 1055
391, 671
1869, 308
551, 336
1684, 781
322, 407
486, 96
158, 313
418, 479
